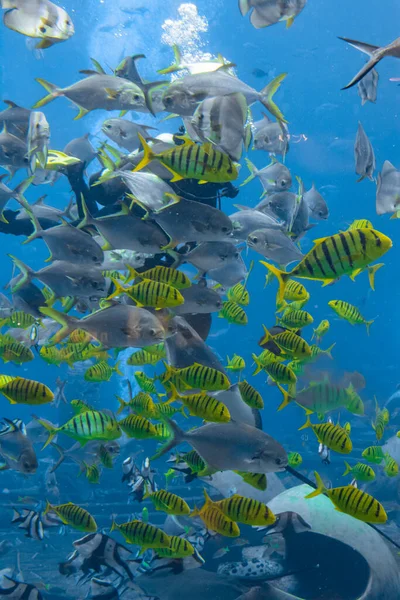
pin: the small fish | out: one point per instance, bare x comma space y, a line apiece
275, 177
332, 436
142, 534
141, 404
19, 319
125, 133
239, 294
352, 501
235, 364
250, 395
92, 473
101, 371
17, 353
73, 515
233, 313
391, 467
321, 330
256, 480
26, 391
373, 454
295, 319
137, 427
265, 13
387, 189
179, 548
220, 553
324, 454
38, 140
16, 449
274, 245
349, 312
347, 428
368, 87
360, 472
203, 66
246, 510
322, 397
379, 423
80, 406
364, 155
167, 275
271, 136
29, 520
294, 459
316, 204
334, 256
91, 425
150, 294
289, 343
215, 520
106, 457
199, 376
202, 405
168, 503
146, 383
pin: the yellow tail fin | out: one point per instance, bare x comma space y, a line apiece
320, 487
287, 399
148, 154
371, 274
132, 274
267, 337
119, 289
123, 405
306, 424
348, 468
282, 278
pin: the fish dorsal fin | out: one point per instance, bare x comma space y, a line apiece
319, 240
40, 201
11, 104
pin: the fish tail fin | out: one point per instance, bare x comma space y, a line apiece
52, 429
53, 92
178, 436
174, 394
117, 368
373, 53
371, 274
368, 325
328, 352
306, 424
122, 405
60, 450
87, 217
258, 363
16, 515
148, 154
119, 289
177, 64
267, 95
320, 487
348, 468
282, 278
207, 497
267, 336
26, 272
48, 508
68, 324
114, 526
244, 7
37, 228
132, 274
287, 398
18, 192
253, 172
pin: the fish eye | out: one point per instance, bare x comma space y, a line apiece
266, 139
7, 154
152, 332
283, 183
278, 461
218, 304
236, 255
225, 229
136, 97
68, 22
255, 240
42, 29
168, 101
107, 126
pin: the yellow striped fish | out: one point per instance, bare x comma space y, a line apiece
265, 358
334, 256
215, 520
321, 330
200, 376
360, 472
246, 511
145, 382
233, 313
157, 349
349, 313
330, 435
26, 391
295, 319
78, 336
289, 343
317, 352
80, 406
250, 395
352, 501
162, 432
192, 161
141, 358
51, 355
101, 371
256, 480
137, 427
90, 425
16, 353
141, 404
280, 373
179, 548
73, 515
239, 294
150, 293
142, 534
168, 503
19, 319
235, 364
391, 467
295, 291
203, 406
360, 224
373, 454
167, 275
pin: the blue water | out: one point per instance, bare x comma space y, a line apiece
318, 66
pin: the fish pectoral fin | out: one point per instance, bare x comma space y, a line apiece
202, 182
82, 112
111, 94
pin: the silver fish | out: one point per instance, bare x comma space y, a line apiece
17, 590
67, 243
324, 453
203, 66
248, 220
118, 259
185, 346
96, 92
59, 394
364, 155
125, 231
64, 278
190, 221
183, 95
231, 447
274, 245
208, 255
316, 204
229, 274
38, 139
199, 299
270, 12
271, 136
6, 194
118, 326
275, 177
375, 53
239, 410
388, 189
368, 87
149, 189
16, 449
301, 220
222, 121
282, 205
13, 152
81, 148
16, 119
125, 133
44, 211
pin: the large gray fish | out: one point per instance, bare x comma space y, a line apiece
270, 12
40, 19
67, 243
96, 92
190, 221
247, 220
375, 54
274, 245
16, 119
239, 410
13, 152
271, 136
38, 139
301, 221
125, 231
208, 255
368, 87
16, 449
229, 274
183, 95
102, 589
281, 205
81, 148
364, 155
222, 121
275, 177
185, 347
199, 299
64, 278
118, 326
316, 204
125, 133
231, 447
127, 69
388, 189
149, 189
17, 590
44, 211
